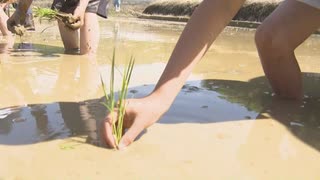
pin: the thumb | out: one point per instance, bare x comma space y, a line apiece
106, 134
131, 134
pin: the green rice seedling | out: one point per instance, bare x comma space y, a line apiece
68, 19
111, 103
44, 13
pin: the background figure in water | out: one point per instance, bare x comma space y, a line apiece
29, 23
117, 4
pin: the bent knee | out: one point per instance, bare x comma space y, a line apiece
270, 39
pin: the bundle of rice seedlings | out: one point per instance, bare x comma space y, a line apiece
68, 19
44, 13
111, 102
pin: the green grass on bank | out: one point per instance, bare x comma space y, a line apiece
251, 11
255, 11
172, 7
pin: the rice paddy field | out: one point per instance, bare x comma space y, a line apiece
224, 124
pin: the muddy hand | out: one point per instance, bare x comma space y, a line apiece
74, 23
19, 30
78, 15
69, 20
140, 114
14, 23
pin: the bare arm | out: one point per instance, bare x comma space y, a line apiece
79, 15
18, 17
81, 9
83, 4
24, 5
205, 25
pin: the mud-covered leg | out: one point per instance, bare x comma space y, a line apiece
70, 38
3, 21
89, 34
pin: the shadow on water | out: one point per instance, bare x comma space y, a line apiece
41, 50
42, 122
205, 101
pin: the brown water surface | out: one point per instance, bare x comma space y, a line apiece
224, 124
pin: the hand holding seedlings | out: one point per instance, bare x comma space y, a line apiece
71, 21
117, 117
79, 15
70, 14
15, 23
133, 115
139, 115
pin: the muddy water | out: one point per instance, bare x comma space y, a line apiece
225, 122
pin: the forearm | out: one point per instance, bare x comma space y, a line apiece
23, 6
204, 26
83, 4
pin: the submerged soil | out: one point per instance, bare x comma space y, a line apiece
224, 124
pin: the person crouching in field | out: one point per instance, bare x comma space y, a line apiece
85, 11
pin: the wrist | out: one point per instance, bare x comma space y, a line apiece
162, 99
82, 6
22, 8
19, 16
81, 9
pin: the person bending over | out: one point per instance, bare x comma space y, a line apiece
86, 11
276, 39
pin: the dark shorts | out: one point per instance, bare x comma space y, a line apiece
94, 6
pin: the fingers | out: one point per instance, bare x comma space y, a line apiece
14, 23
71, 21
136, 128
75, 22
135, 124
74, 26
107, 132
19, 30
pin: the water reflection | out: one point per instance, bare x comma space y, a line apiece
43, 122
8, 49
83, 118
30, 85
206, 101
6, 45
29, 49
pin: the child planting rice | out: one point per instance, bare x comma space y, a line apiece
276, 39
111, 103
72, 15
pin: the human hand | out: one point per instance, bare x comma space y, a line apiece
139, 115
15, 23
69, 20
77, 19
